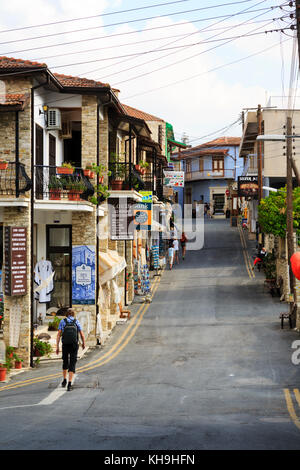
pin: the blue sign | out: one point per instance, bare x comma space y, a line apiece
83, 275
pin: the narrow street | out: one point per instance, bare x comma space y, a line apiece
207, 368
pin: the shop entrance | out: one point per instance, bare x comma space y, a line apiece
59, 252
219, 203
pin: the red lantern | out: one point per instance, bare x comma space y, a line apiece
295, 264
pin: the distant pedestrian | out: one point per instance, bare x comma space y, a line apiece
176, 250
171, 253
68, 330
183, 241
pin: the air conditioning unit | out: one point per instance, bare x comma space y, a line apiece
66, 130
54, 119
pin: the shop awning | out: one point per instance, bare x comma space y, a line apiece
110, 265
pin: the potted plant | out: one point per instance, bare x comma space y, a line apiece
3, 370
18, 361
143, 166
41, 348
75, 189
55, 188
88, 172
66, 169
3, 164
118, 172
53, 325
101, 194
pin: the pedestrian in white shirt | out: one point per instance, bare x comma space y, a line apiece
176, 251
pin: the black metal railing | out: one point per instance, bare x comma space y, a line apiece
14, 180
51, 184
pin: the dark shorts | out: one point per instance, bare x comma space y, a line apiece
182, 244
69, 356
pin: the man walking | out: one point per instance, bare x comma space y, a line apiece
68, 330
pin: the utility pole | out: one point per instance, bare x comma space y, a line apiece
289, 200
259, 154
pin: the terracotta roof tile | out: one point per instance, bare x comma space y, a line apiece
12, 101
69, 81
9, 63
140, 114
221, 141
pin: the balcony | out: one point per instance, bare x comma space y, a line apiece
14, 180
52, 186
209, 174
250, 166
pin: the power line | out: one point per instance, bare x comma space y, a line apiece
95, 16
130, 32
227, 40
207, 71
172, 53
36, 59
109, 25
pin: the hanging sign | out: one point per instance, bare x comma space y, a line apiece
174, 178
142, 216
15, 248
83, 275
147, 196
120, 216
248, 186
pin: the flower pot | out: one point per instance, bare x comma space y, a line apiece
138, 168
65, 171
74, 195
87, 173
2, 374
3, 166
101, 180
116, 185
37, 353
55, 194
18, 365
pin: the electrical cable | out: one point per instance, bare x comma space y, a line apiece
172, 53
105, 25
125, 33
207, 71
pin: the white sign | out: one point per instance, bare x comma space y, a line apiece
174, 178
83, 275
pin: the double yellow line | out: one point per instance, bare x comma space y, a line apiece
115, 350
290, 405
246, 254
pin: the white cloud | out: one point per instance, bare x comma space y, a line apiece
197, 106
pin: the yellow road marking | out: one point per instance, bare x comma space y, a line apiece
290, 406
248, 263
97, 362
297, 395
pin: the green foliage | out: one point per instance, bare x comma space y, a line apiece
269, 266
41, 347
53, 325
101, 193
55, 183
68, 165
272, 212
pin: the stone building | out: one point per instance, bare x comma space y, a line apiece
70, 257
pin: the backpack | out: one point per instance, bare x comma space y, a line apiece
70, 333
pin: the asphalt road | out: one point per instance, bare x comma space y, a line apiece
205, 366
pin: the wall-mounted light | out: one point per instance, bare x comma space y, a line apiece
44, 112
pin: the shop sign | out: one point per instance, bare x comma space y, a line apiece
147, 196
248, 186
174, 178
15, 248
121, 217
142, 216
83, 275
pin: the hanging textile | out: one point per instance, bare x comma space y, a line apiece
43, 278
155, 256
145, 282
110, 265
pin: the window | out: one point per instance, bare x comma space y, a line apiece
59, 252
218, 165
188, 166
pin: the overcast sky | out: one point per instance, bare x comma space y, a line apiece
192, 89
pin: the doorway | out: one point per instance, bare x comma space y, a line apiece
219, 203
